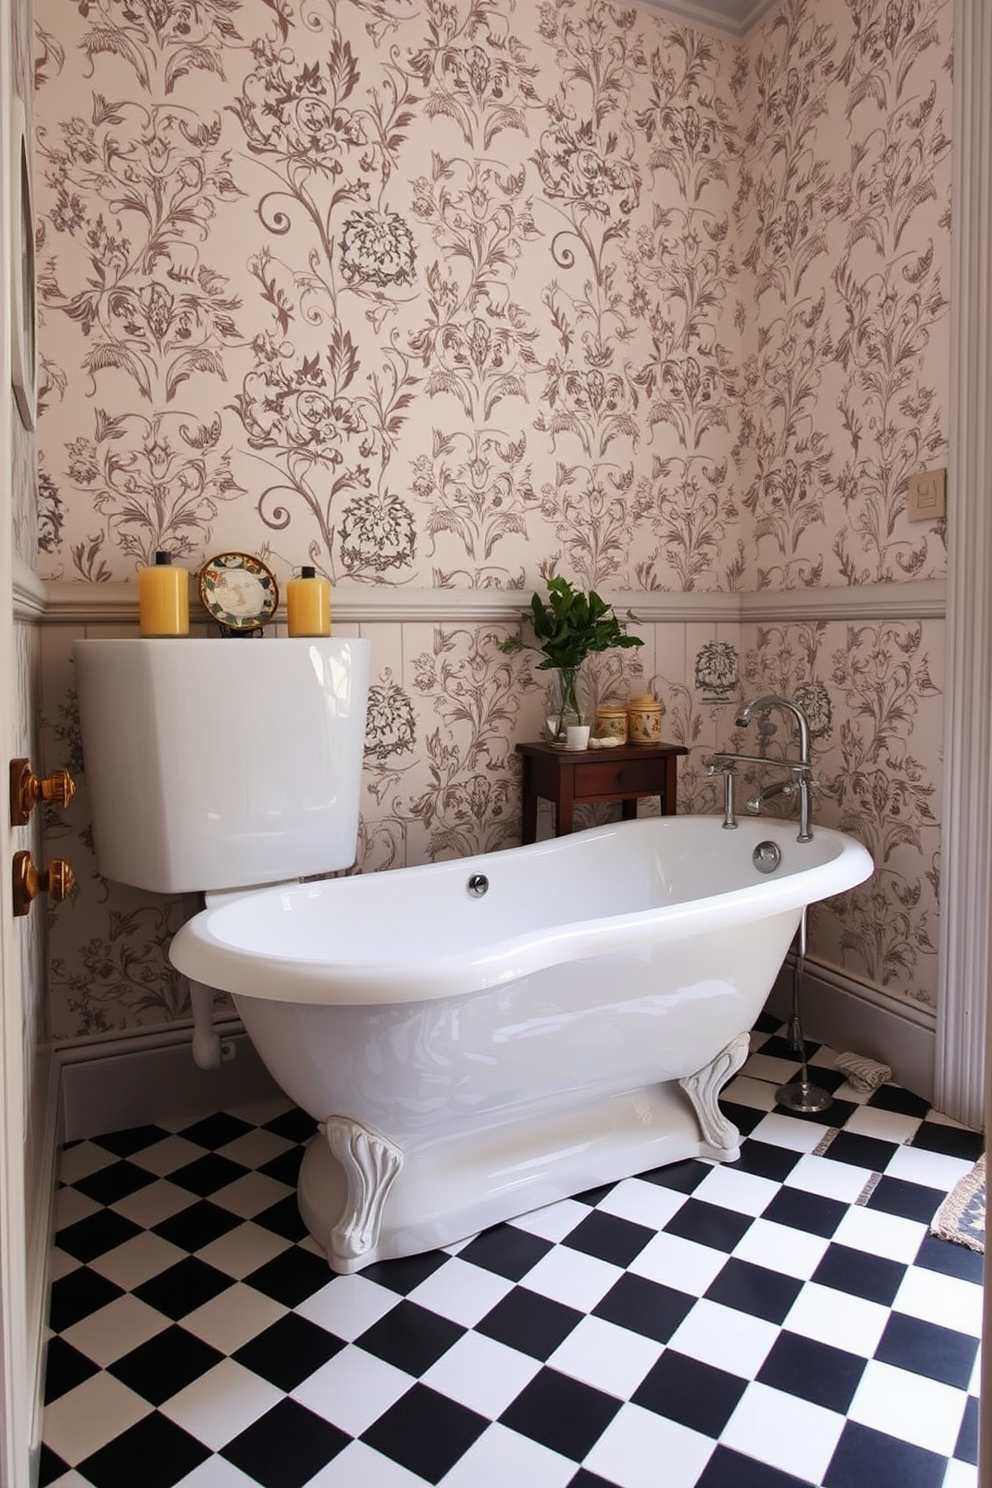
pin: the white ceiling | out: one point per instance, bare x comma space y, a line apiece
732, 17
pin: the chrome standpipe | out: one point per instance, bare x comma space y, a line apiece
801, 1095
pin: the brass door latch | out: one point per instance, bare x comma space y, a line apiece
28, 881
27, 789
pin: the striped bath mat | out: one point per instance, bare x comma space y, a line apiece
961, 1216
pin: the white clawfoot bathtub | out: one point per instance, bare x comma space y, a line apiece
481, 1037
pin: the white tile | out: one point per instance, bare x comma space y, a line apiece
609, 1358
250, 1195
679, 1263
945, 1300
960, 1475
82, 1160
228, 1320
832, 1180
154, 1203
501, 1456
221, 1404
635, 1444
348, 1305
573, 1278
554, 1221
908, 1406
790, 1132
254, 1148
166, 1156
71, 1206
61, 1264
887, 1126
780, 1248
358, 1466
482, 1374
114, 1330
648, 1204
260, 1112
137, 1260
730, 1340
790, 1434
461, 1292
933, 1169
836, 1318
743, 1091
880, 1234
85, 1419
215, 1472
353, 1389
771, 1068
744, 1193
243, 1249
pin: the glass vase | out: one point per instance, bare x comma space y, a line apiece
563, 709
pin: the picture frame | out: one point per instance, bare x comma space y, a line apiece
23, 318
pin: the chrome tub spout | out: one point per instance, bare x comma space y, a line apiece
802, 768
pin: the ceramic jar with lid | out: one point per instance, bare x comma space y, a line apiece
611, 722
644, 715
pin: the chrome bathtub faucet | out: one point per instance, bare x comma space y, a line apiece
801, 769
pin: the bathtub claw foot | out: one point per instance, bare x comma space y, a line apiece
370, 1164
703, 1089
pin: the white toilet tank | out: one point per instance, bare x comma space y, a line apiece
221, 764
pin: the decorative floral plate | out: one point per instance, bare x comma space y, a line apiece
239, 591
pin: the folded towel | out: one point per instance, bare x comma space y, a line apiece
864, 1074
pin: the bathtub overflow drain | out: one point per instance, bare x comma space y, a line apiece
766, 857
478, 885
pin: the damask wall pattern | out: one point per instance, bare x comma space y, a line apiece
454, 296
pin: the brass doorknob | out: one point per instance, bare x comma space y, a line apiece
57, 881
27, 789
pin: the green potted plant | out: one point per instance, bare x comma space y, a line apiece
569, 626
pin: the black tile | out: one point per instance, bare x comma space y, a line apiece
729, 1469
799, 1210
777, 1046
861, 1152
754, 1290
286, 1447
836, 1115
745, 1118
131, 1139
966, 1446
116, 1181
682, 1177
65, 1368
50, 1467
585, 1479
952, 1141
645, 1307
162, 1366
907, 1200
813, 1371
77, 1295
765, 1160
609, 1238
410, 1337
216, 1131
208, 1174
197, 1225
594, 1196
950, 1259
533, 1324
561, 1413
696, 1395
425, 1432
183, 1287
404, 1275
924, 1348
292, 1276
766, 1022
294, 1125
875, 1278
154, 1452
709, 1224
507, 1250
289, 1351
96, 1234
870, 1459
285, 1167
283, 1218
895, 1098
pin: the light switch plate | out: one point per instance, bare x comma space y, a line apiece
926, 499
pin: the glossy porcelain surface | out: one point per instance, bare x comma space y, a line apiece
215, 764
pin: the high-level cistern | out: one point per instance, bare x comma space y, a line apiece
801, 768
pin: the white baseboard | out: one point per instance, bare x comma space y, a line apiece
109, 1085
850, 1017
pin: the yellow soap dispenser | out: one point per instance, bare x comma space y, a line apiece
308, 604
163, 599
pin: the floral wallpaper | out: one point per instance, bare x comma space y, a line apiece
453, 296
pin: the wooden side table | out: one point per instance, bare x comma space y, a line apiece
568, 779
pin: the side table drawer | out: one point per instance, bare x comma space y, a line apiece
614, 778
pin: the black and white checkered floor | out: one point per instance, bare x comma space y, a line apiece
784, 1321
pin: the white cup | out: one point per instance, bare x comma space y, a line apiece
577, 736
